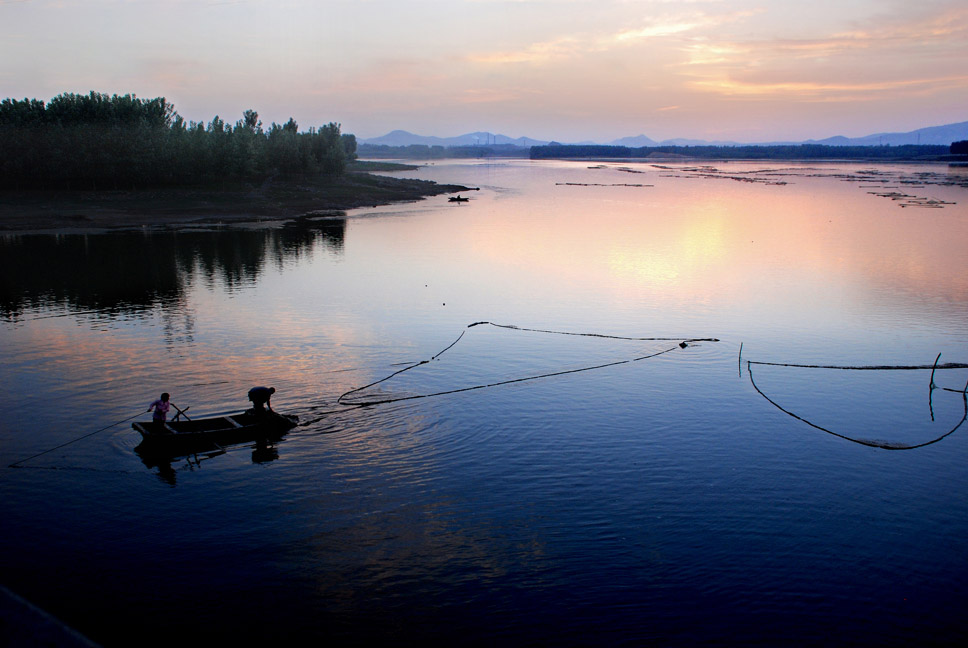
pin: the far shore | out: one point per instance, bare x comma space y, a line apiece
273, 201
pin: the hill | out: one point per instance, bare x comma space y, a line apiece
479, 138
937, 135
942, 135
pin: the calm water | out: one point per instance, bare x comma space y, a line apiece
658, 498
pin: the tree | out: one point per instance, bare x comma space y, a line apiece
95, 140
328, 150
349, 145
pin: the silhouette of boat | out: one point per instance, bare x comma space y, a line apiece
181, 437
458, 198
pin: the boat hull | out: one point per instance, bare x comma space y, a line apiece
186, 437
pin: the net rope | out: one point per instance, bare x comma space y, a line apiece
347, 400
885, 445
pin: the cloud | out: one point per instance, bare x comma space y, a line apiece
914, 54
536, 52
949, 25
822, 91
657, 30
680, 24
571, 45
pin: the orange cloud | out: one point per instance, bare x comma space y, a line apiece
825, 91
534, 53
580, 44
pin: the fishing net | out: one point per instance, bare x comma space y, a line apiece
525, 354
893, 407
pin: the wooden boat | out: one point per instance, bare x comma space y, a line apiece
178, 437
458, 199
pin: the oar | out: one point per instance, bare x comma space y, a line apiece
181, 412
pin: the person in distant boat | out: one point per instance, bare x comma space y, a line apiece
260, 398
160, 407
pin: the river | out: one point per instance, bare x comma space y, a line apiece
546, 462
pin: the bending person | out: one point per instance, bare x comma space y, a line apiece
260, 399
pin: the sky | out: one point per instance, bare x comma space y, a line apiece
565, 70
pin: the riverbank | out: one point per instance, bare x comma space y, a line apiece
275, 199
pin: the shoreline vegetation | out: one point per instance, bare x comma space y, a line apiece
105, 162
957, 152
275, 199
95, 162
806, 152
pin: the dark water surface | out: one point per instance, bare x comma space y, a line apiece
639, 493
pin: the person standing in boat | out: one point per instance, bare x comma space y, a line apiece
160, 407
260, 398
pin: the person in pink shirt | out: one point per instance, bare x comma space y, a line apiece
160, 407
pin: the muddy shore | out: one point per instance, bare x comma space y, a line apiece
272, 201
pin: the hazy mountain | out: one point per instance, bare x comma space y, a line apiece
938, 135
682, 141
404, 138
634, 142
943, 135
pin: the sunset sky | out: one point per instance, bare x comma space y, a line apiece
570, 70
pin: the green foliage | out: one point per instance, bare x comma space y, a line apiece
96, 141
349, 146
97, 108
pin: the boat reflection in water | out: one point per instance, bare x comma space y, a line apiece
201, 439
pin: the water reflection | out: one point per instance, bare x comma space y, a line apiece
168, 465
610, 499
129, 273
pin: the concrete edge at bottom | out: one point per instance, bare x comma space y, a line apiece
23, 625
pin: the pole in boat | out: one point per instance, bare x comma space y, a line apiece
181, 412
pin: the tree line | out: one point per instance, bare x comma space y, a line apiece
96, 141
753, 152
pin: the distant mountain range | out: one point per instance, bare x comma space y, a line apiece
938, 135
403, 138
943, 135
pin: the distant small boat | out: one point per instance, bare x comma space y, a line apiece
180, 437
458, 198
